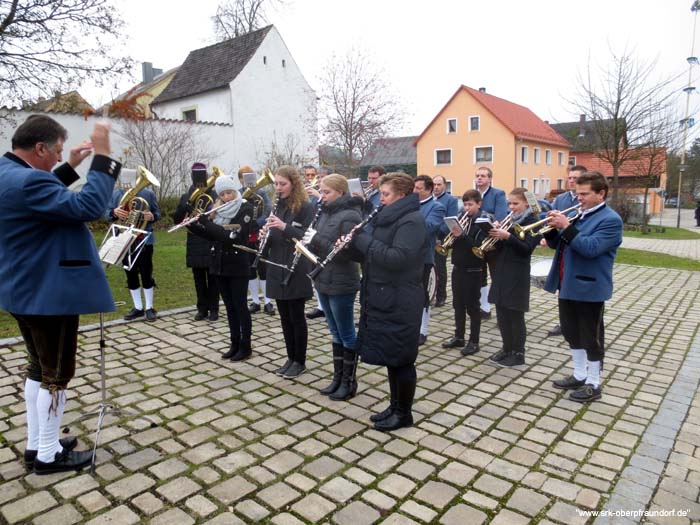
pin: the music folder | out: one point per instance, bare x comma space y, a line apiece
115, 248
453, 222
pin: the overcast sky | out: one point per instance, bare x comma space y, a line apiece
526, 52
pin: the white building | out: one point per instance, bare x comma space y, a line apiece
253, 84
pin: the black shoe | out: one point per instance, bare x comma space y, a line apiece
381, 416
214, 316
586, 394
201, 316
498, 356
455, 342
294, 370
315, 314
470, 349
401, 417
568, 383
348, 383
439, 303
150, 315
554, 331
269, 309
337, 371
244, 352
68, 444
254, 307
64, 461
281, 370
231, 351
422, 339
512, 359
485, 315
135, 313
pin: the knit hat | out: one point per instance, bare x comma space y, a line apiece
199, 174
225, 183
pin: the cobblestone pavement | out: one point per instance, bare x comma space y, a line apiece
236, 444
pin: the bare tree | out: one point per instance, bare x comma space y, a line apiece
278, 154
620, 101
167, 149
55, 45
358, 105
238, 17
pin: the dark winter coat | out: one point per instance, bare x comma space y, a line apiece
510, 287
391, 292
197, 249
342, 276
224, 258
463, 256
280, 249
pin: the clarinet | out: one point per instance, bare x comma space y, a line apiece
263, 241
343, 244
297, 254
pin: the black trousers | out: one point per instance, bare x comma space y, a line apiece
234, 291
52, 341
143, 268
207, 289
441, 271
296, 333
426, 278
511, 324
466, 293
582, 326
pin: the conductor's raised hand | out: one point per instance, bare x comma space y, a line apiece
100, 138
79, 153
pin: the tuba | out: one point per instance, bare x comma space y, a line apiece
265, 180
137, 206
200, 200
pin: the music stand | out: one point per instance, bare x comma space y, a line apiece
112, 253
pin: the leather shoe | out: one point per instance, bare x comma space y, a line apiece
586, 394
568, 383
498, 356
281, 370
135, 313
470, 349
214, 316
315, 314
269, 309
422, 339
294, 370
254, 307
455, 342
554, 331
68, 443
150, 315
485, 315
64, 461
200, 316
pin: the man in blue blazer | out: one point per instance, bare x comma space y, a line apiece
451, 206
582, 273
495, 203
50, 272
564, 201
434, 214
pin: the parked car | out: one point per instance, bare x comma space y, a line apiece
672, 202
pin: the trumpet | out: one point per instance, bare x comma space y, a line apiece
313, 184
443, 247
490, 243
542, 226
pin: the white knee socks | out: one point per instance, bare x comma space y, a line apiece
424, 321
31, 392
253, 290
136, 298
263, 289
485, 305
49, 423
578, 355
148, 294
593, 373
318, 301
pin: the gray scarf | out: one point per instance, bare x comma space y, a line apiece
228, 211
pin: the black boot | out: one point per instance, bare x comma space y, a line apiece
348, 384
231, 351
337, 370
244, 351
392, 401
401, 417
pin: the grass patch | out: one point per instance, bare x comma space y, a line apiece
674, 234
642, 258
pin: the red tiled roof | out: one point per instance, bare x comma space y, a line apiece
522, 122
635, 167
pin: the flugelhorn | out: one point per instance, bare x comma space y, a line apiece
443, 247
490, 242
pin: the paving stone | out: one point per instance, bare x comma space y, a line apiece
252, 510
147, 503
323, 467
462, 514
172, 517
200, 505
232, 490
422, 512
283, 462
93, 502
356, 513
21, 509
492, 486
64, 515
436, 494
396, 485
178, 489
126, 488
527, 501
168, 468
314, 508
561, 489
480, 500
121, 514
277, 495
73, 487
339, 489
416, 469
566, 513
379, 462
457, 474
507, 517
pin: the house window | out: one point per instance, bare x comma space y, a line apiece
474, 123
535, 186
536, 155
523, 154
189, 115
443, 157
548, 157
264, 60
451, 125
483, 154
546, 186
523, 183
572, 161
284, 63
560, 158
560, 184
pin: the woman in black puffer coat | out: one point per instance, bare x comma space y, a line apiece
392, 250
337, 284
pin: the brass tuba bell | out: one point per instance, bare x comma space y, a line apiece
200, 200
137, 206
265, 180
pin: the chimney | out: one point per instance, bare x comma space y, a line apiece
546, 122
582, 125
148, 72
482, 90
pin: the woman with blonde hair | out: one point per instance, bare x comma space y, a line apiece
292, 214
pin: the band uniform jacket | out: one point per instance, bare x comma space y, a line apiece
392, 252
224, 258
589, 246
564, 201
494, 202
149, 197
48, 258
463, 256
280, 249
451, 205
197, 251
342, 275
434, 214
511, 270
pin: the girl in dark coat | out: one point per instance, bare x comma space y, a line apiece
293, 214
510, 289
392, 251
230, 266
338, 282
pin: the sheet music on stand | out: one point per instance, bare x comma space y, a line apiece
118, 245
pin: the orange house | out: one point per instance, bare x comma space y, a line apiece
476, 129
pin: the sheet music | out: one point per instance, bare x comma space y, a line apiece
114, 249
